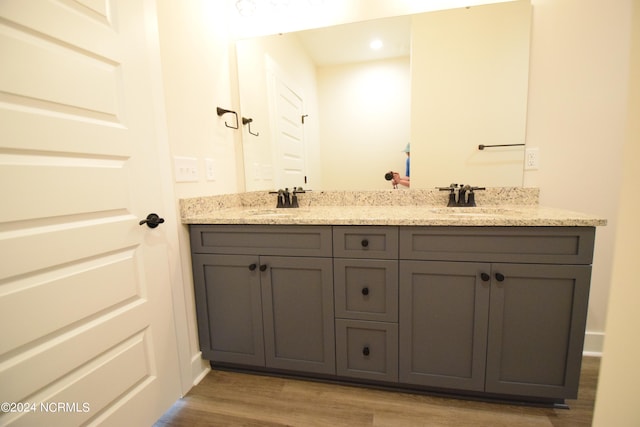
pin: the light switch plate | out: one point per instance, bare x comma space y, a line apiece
186, 169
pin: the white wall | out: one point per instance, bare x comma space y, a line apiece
364, 122
199, 75
198, 71
578, 84
619, 381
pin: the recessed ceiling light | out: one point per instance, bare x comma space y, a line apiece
376, 44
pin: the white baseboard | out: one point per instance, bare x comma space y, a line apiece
593, 343
199, 368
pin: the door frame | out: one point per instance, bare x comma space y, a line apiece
192, 370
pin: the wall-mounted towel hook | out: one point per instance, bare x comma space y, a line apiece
222, 111
247, 121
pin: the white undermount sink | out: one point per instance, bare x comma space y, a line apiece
474, 211
273, 213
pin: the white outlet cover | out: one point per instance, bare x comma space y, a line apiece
532, 158
210, 169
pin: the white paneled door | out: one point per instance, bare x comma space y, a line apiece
290, 131
86, 319
288, 121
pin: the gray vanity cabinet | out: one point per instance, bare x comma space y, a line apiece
444, 309
480, 322
229, 308
297, 307
536, 329
366, 302
490, 311
264, 296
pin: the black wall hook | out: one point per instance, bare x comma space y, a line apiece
247, 121
222, 111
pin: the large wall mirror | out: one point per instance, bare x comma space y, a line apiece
323, 111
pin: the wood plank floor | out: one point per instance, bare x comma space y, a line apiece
237, 399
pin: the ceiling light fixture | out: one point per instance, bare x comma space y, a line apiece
376, 44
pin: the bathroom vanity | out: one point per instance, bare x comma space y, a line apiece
489, 302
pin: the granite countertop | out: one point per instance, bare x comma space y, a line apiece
498, 207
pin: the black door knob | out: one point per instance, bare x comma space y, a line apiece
365, 351
253, 266
364, 243
500, 277
365, 291
263, 267
152, 221
485, 277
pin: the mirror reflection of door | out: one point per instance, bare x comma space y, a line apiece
289, 162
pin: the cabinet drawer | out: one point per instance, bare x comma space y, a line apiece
366, 289
261, 240
365, 242
367, 350
551, 245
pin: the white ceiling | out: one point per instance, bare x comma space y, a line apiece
350, 42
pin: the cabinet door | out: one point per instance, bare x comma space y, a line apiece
229, 308
536, 329
297, 296
443, 323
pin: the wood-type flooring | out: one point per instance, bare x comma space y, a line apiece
237, 399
